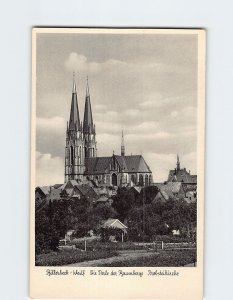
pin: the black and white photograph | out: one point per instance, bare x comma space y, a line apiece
116, 148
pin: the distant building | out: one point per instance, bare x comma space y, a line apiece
82, 162
182, 175
170, 190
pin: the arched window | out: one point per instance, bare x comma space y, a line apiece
133, 178
150, 179
71, 155
114, 179
146, 180
140, 180
86, 152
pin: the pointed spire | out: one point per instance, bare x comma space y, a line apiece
74, 122
178, 163
87, 89
87, 120
122, 144
74, 84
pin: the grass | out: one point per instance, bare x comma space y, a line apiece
65, 257
166, 258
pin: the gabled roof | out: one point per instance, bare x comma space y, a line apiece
45, 189
83, 189
129, 164
136, 188
169, 188
114, 223
40, 191
57, 185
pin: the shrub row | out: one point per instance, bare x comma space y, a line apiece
169, 258
66, 257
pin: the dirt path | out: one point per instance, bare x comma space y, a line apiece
123, 256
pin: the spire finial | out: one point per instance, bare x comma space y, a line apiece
122, 144
74, 84
87, 88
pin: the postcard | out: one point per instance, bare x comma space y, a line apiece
117, 163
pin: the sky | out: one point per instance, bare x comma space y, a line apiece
143, 84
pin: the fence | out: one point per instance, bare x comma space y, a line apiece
157, 245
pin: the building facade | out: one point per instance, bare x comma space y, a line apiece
82, 162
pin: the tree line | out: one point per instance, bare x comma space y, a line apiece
145, 217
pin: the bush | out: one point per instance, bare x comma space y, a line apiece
169, 258
66, 257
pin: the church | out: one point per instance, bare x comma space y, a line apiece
82, 162
181, 175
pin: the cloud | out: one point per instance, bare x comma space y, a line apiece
49, 170
148, 89
79, 63
51, 124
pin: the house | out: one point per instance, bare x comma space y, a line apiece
40, 197
114, 223
170, 190
69, 234
105, 200
55, 194
191, 196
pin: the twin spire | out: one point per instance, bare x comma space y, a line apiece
74, 123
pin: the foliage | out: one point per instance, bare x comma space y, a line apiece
66, 257
169, 258
147, 219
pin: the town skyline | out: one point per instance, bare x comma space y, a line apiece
159, 121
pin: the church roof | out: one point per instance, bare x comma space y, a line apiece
87, 120
74, 112
130, 164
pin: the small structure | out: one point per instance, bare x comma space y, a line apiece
116, 224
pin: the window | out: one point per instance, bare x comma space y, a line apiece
133, 179
140, 180
71, 155
114, 179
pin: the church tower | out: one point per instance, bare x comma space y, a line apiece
74, 151
89, 128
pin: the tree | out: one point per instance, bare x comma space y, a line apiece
123, 202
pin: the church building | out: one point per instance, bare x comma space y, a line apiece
82, 162
181, 175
